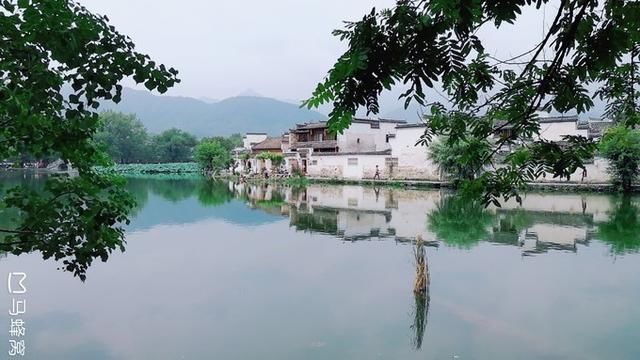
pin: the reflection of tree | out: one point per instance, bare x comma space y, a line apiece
174, 190
213, 193
320, 220
460, 221
139, 188
622, 231
420, 294
272, 205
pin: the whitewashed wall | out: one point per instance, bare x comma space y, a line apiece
556, 130
597, 173
340, 166
249, 139
413, 161
371, 139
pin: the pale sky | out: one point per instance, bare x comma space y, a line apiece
277, 48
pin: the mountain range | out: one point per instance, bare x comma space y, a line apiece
208, 117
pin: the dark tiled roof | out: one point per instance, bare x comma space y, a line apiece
405, 126
377, 121
309, 126
552, 119
597, 127
255, 133
269, 144
503, 124
393, 121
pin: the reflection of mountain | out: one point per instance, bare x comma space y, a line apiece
159, 211
162, 201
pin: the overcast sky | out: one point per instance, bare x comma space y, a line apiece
277, 48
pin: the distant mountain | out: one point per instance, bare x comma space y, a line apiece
208, 100
238, 114
250, 92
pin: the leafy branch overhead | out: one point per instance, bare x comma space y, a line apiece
49, 48
435, 44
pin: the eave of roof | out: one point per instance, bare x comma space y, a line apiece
406, 126
269, 144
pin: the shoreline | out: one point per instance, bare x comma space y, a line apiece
406, 184
430, 184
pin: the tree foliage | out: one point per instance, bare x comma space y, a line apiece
211, 155
173, 145
435, 44
462, 160
123, 137
44, 46
229, 143
621, 146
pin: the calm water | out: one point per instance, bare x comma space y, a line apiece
222, 271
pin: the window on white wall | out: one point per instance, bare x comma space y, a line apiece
314, 162
352, 161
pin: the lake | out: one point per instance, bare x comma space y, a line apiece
236, 271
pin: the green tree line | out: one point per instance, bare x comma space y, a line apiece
125, 140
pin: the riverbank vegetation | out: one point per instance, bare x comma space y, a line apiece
125, 140
212, 156
48, 105
621, 146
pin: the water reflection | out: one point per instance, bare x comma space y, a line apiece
367, 291
421, 294
544, 222
622, 229
460, 222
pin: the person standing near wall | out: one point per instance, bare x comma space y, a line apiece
377, 175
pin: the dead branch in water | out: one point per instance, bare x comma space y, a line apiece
421, 293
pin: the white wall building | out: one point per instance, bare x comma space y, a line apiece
554, 128
250, 139
388, 148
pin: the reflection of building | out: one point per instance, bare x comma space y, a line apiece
540, 231
543, 223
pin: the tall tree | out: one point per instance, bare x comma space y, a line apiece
621, 146
123, 137
228, 143
174, 145
211, 155
435, 44
45, 44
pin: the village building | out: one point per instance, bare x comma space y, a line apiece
241, 155
256, 163
387, 149
359, 152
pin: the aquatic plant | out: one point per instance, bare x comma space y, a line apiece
166, 168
